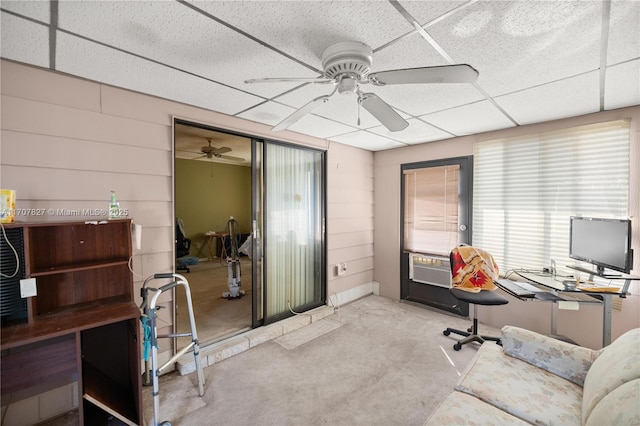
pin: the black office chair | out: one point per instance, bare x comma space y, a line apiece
486, 297
183, 244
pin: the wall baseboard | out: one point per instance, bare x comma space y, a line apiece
353, 294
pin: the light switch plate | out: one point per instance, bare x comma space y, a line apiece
28, 288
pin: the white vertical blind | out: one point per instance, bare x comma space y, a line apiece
526, 188
293, 233
431, 209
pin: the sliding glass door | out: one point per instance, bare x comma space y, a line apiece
290, 223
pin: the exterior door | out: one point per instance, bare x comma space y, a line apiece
436, 216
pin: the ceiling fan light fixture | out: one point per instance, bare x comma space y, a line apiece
348, 85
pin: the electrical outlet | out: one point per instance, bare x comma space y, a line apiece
341, 268
28, 288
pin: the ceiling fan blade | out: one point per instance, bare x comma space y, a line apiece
291, 80
460, 73
383, 112
301, 112
222, 150
229, 157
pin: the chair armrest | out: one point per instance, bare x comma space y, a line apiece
560, 358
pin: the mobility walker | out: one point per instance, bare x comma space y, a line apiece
148, 319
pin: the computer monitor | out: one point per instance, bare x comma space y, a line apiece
605, 243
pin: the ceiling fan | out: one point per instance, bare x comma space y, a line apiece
347, 65
211, 152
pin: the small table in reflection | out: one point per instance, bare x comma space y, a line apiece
210, 239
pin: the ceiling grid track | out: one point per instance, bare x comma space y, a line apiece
604, 45
53, 31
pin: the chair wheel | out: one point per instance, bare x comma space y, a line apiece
470, 329
457, 347
446, 332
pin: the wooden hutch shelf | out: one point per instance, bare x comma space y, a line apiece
83, 324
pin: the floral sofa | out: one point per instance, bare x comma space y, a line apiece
535, 379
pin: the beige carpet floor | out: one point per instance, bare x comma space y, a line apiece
375, 361
215, 317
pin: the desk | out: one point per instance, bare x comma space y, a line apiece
555, 285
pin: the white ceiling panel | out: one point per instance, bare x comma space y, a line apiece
366, 140
38, 10
565, 98
624, 31
410, 52
473, 118
319, 127
95, 62
423, 99
270, 113
24, 41
623, 85
426, 11
303, 29
171, 33
417, 132
522, 44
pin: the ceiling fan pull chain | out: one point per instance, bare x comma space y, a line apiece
358, 113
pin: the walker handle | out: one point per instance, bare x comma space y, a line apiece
163, 275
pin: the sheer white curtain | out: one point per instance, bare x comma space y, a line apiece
293, 228
431, 209
526, 188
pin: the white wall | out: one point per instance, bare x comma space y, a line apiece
66, 142
583, 326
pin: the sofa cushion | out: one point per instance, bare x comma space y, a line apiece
619, 407
521, 389
617, 364
462, 409
564, 359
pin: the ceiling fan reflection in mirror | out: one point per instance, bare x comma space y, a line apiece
211, 152
347, 65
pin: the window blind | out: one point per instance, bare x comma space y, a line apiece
526, 188
431, 209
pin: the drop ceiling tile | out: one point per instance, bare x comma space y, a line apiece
420, 99
38, 10
426, 11
23, 40
417, 132
270, 113
303, 29
566, 98
622, 85
366, 140
319, 127
410, 52
174, 34
468, 119
624, 32
96, 62
520, 44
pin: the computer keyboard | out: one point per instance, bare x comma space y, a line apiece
514, 288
